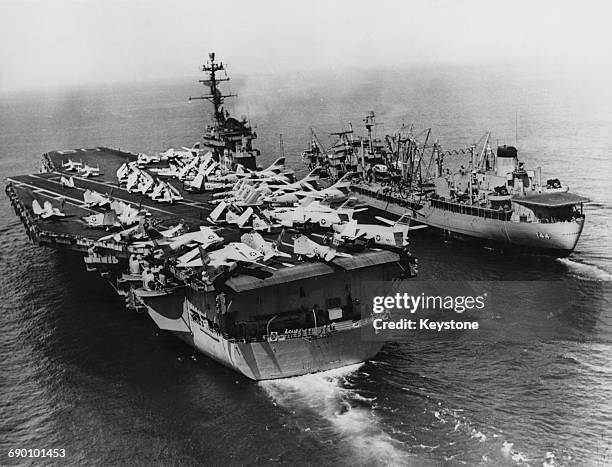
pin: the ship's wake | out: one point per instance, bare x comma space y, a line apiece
348, 414
589, 271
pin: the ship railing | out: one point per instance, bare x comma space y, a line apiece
318, 332
477, 211
385, 197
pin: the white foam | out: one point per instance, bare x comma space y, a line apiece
478, 435
587, 270
549, 460
323, 393
516, 456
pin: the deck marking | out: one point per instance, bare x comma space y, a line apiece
185, 201
114, 197
75, 202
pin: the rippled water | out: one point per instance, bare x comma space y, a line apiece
81, 373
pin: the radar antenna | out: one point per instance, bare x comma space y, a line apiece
215, 96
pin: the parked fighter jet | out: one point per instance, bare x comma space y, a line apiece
67, 182
315, 212
239, 220
237, 189
144, 159
264, 224
188, 169
139, 181
204, 236
243, 193
268, 249
123, 235
89, 171
288, 217
392, 234
140, 231
260, 222
163, 192
196, 185
71, 166
132, 180
176, 155
271, 171
282, 198
93, 198
229, 255
326, 216
168, 154
292, 193
124, 171
102, 220
47, 211
172, 171
215, 214
188, 152
304, 246
337, 192
227, 178
302, 184
128, 215
145, 185
171, 232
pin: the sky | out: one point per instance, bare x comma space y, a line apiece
65, 42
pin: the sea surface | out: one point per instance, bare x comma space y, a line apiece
80, 373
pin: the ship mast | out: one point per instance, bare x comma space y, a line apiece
215, 96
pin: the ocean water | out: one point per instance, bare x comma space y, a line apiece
82, 374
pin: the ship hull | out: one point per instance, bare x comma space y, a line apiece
286, 358
282, 358
557, 239
318, 349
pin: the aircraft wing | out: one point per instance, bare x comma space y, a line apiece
385, 220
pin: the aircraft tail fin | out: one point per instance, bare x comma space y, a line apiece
404, 220
312, 176
244, 217
110, 218
260, 224
197, 182
216, 213
253, 197
204, 255
277, 165
36, 208
345, 180
279, 240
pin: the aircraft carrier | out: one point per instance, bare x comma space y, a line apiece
270, 302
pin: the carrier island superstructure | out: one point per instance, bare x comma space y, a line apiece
492, 198
268, 292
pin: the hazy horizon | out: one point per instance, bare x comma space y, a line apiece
68, 43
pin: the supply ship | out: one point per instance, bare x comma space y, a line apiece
188, 237
492, 198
